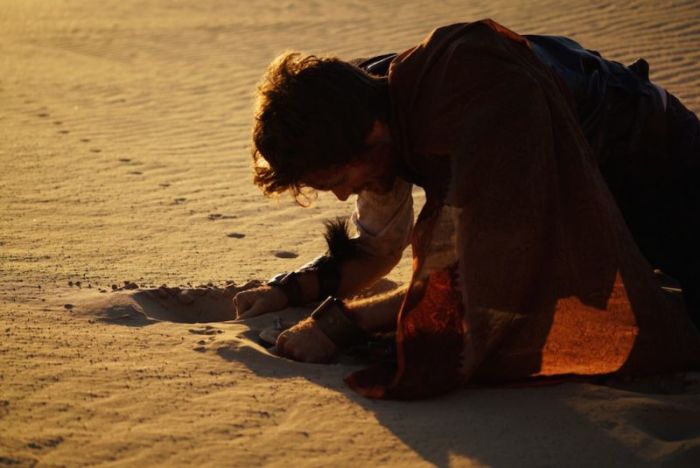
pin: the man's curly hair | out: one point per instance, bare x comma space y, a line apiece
312, 113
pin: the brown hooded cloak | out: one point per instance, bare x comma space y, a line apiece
523, 266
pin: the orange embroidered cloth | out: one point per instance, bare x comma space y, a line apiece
523, 265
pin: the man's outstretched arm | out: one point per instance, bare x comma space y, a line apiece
383, 223
307, 342
355, 274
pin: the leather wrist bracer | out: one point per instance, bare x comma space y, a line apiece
333, 320
326, 267
290, 286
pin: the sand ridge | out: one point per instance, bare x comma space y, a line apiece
124, 144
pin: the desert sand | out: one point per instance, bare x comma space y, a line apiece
124, 146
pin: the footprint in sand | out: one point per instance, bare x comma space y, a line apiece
40, 444
191, 305
19, 461
140, 307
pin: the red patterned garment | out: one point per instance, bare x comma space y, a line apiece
523, 266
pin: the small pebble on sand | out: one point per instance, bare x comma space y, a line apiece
286, 254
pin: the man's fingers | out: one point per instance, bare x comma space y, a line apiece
282, 342
244, 301
241, 305
290, 345
257, 308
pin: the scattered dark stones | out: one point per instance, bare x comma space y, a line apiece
164, 184
85, 140
65, 132
208, 330
235, 235
95, 150
130, 285
43, 114
135, 172
124, 160
68, 306
179, 200
251, 284
217, 216
286, 254
114, 287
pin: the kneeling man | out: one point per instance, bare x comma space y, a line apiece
556, 182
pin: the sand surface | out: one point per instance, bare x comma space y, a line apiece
124, 155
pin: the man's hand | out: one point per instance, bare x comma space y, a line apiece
306, 342
259, 301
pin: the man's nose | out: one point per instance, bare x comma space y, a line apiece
342, 193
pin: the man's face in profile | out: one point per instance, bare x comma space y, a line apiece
373, 170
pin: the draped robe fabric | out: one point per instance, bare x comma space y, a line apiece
523, 267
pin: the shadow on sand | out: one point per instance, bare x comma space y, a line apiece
496, 426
